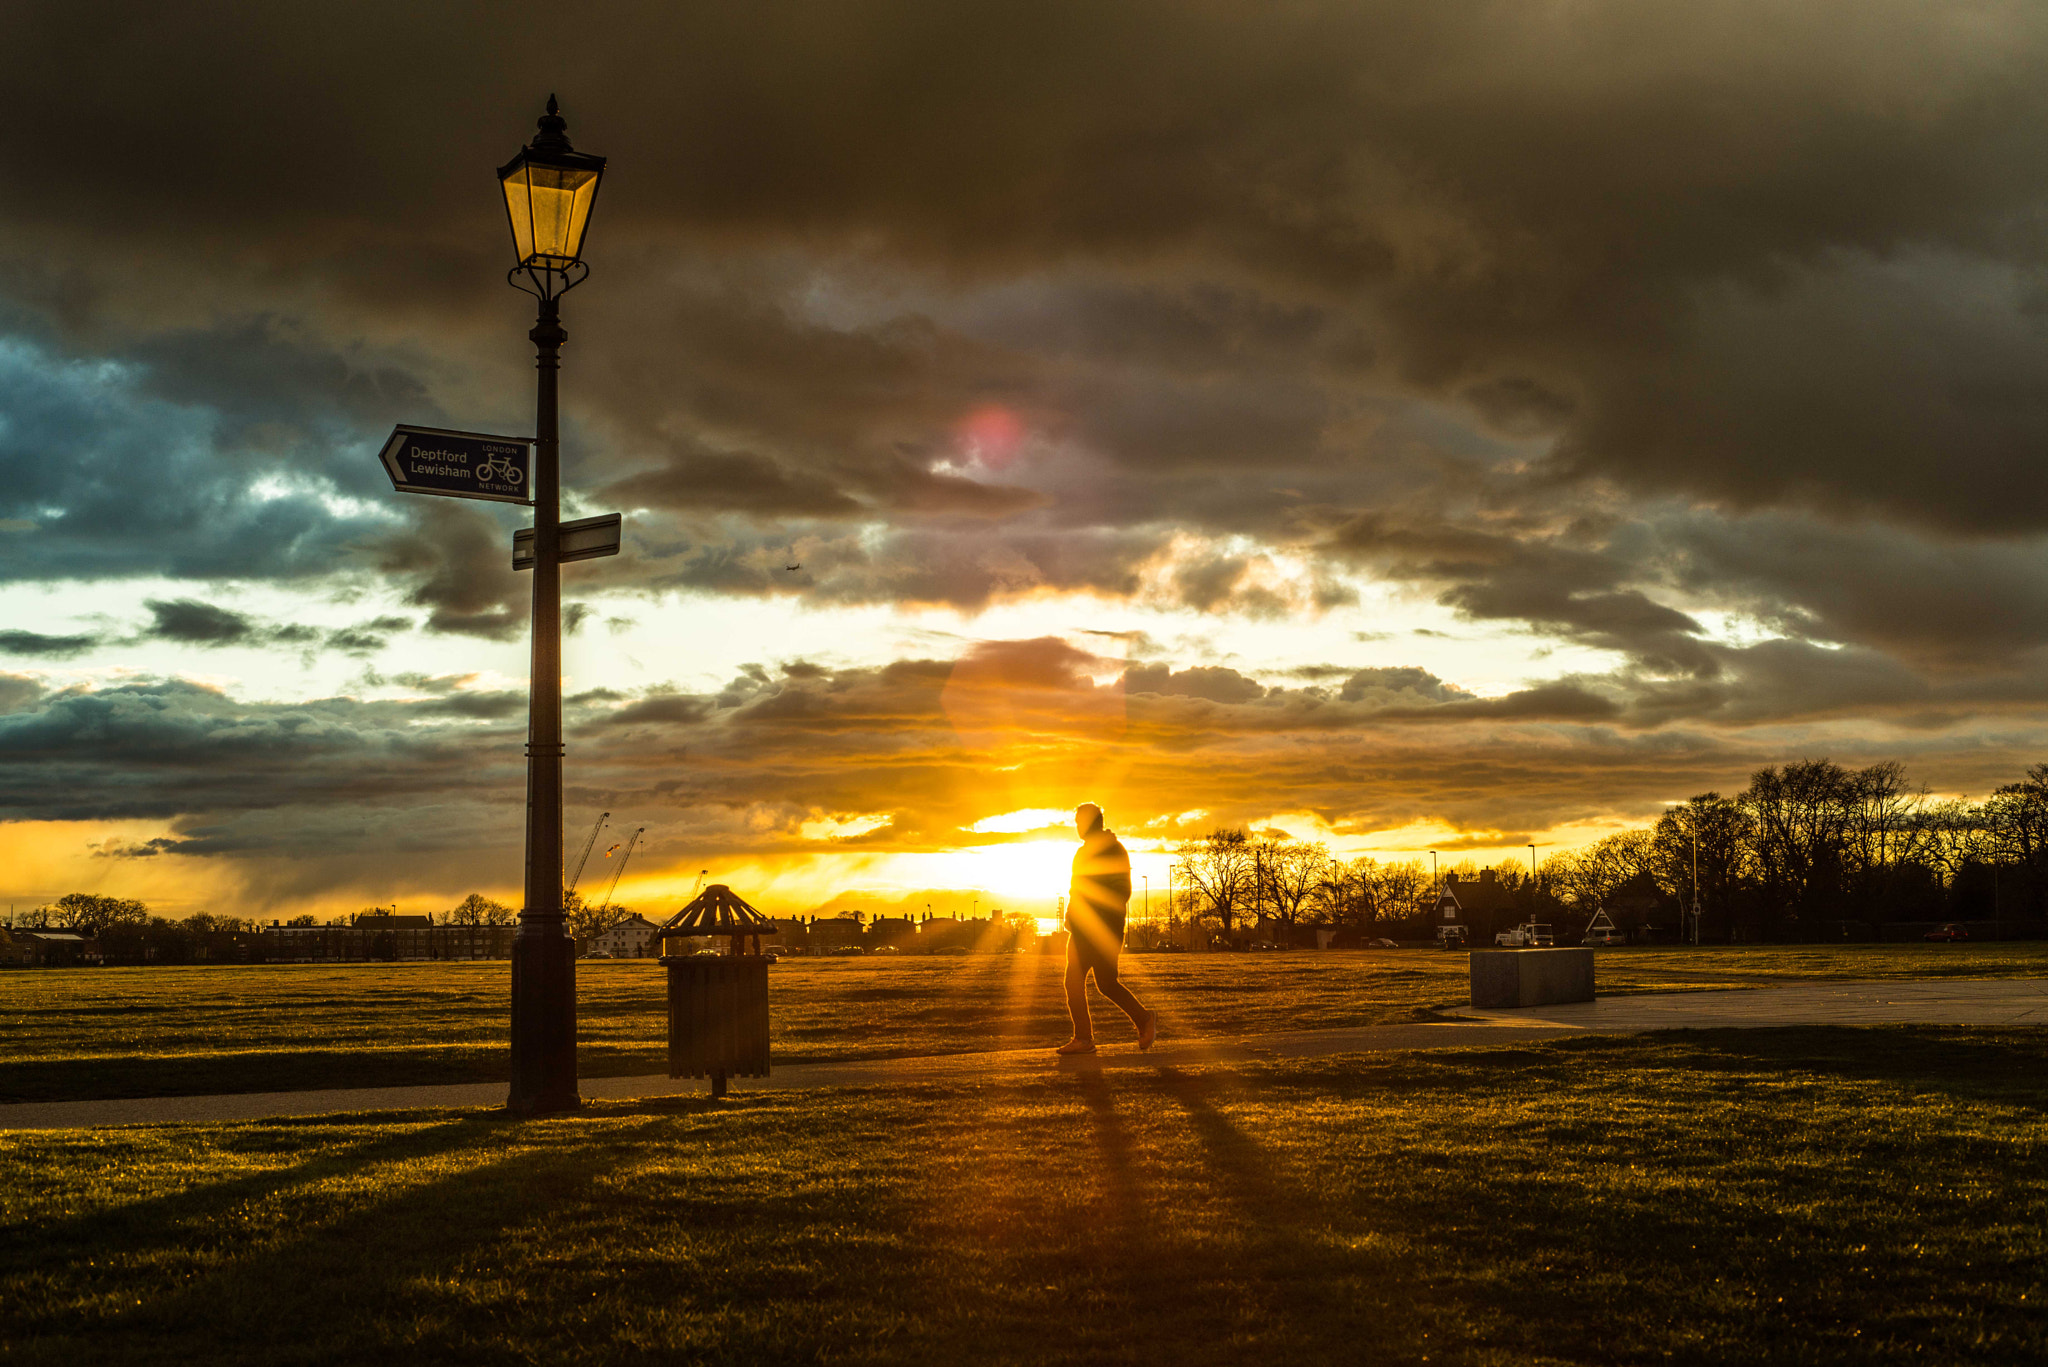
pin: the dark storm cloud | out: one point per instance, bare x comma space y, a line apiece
1403, 684
188, 621
198, 623
732, 482
1572, 582
1590, 321
1941, 606
17, 691
458, 562
238, 452
192, 622
1643, 231
47, 647
1214, 682
166, 748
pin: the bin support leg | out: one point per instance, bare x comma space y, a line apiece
718, 1084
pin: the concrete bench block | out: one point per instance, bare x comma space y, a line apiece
1531, 977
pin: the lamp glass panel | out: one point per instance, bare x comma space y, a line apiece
519, 208
555, 211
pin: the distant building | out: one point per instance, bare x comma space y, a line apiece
387, 937
1487, 905
835, 932
47, 949
632, 938
1447, 904
899, 931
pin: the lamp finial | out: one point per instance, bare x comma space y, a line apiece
553, 135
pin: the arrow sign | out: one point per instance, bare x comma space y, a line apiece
429, 460
584, 539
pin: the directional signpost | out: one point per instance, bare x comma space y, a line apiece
586, 538
429, 460
433, 460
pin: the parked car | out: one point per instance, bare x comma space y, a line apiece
1948, 932
1381, 943
1527, 936
606, 953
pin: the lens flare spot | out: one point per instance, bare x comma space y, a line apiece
990, 435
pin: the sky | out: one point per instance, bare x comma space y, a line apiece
1452, 427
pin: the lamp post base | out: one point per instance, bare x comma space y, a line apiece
543, 1022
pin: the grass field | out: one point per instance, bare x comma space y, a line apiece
1805, 1196
81, 1033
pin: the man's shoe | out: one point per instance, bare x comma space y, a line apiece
1076, 1046
1149, 1031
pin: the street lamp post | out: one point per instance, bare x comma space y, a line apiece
549, 189
1695, 879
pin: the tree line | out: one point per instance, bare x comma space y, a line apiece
129, 932
1813, 844
1805, 850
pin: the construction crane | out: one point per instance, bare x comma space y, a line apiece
620, 871
588, 845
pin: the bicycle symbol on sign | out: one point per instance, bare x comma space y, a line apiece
500, 469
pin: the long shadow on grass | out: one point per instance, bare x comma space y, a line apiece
286, 1070
514, 1254
1324, 1267
1115, 1161
2000, 1067
185, 1218
1796, 1229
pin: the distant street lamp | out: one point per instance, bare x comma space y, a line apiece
549, 189
1695, 880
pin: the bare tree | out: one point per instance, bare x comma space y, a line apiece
1955, 833
1588, 878
1396, 892
90, 914
479, 910
1293, 873
583, 920
2015, 823
1719, 835
1803, 814
1884, 825
1340, 895
1217, 872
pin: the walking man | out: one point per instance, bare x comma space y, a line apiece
1096, 900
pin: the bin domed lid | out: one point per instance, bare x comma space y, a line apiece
718, 910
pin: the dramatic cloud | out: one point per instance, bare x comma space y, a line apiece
1673, 375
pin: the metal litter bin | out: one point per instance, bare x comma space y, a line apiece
718, 1003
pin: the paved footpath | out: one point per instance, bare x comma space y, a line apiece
1975, 1001
1952, 1001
